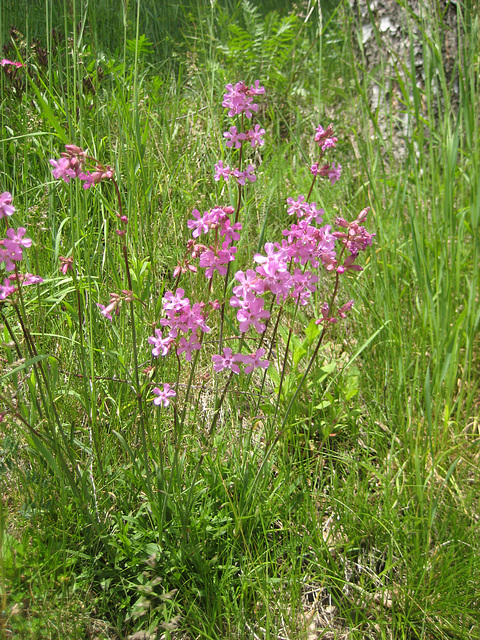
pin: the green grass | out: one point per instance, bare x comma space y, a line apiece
362, 520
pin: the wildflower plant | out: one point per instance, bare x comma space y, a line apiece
301, 269
225, 326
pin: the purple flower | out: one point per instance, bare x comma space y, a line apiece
6, 208
164, 395
227, 361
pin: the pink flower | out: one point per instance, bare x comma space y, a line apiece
161, 344
215, 262
230, 231
253, 361
254, 136
201, 224
96, 177
105, 311
13, 243
234, 138
250, 311
164, 395
62, 169
6, 289
334, 174
326, 317
227, 361
248, 174
221, 171
188, 346
6, 208
66, 264
297, 206
344, 310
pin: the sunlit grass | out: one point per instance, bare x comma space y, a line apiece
364, 519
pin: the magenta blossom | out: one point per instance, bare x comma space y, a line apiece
62, 169
163, 396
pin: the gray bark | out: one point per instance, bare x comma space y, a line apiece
389, 35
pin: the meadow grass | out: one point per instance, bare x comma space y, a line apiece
115, 520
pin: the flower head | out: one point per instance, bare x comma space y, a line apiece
164, 395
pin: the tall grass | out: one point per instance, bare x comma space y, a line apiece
364, 519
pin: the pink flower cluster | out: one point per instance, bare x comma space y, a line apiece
71, 164
239, 98
241, 176
305, 244
13, 246
284, 271
215, 257
10, 284
181, 317
254, 136
11, 252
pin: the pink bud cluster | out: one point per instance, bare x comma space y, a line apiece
114, 303
6, 63
72, 163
